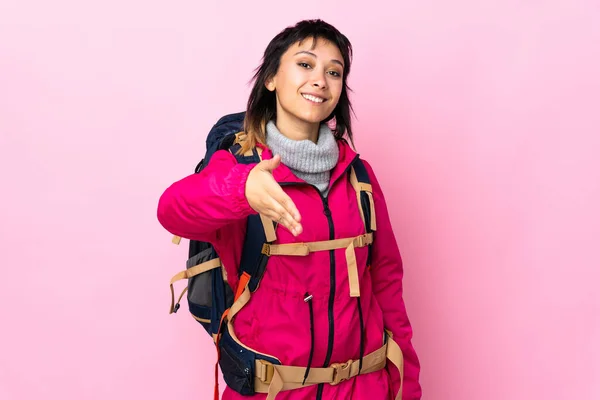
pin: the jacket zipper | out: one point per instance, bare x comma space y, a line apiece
332, 283
332, 280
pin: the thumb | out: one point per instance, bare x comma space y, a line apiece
272, 164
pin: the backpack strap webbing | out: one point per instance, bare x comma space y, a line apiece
304, 249
359, 178
187, 274
272, 379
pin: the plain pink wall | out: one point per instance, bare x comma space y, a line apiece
481, 118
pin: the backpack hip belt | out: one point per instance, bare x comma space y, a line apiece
272, 379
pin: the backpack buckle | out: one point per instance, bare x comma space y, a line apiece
266, 249
341, 372
363, 240
360, 241
265, 371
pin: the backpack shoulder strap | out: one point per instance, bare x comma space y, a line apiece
251, 156
260, 230
359, 178
234, 143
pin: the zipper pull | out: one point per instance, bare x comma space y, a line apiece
307, 300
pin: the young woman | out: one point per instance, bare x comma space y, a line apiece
317, 313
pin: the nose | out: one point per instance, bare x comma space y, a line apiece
319, 80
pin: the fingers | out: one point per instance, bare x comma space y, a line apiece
288, 204
285, 219
282, 215
272, 164
268, 198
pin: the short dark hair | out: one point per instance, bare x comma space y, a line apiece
262, 106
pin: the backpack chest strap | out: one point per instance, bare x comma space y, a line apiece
304, 249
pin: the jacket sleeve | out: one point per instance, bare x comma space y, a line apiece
387, 274
198, 205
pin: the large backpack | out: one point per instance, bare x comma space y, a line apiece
210, 298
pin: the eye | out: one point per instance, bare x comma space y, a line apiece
304, 65
335, 73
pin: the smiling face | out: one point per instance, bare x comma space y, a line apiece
308, 85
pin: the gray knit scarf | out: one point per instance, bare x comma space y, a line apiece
308, 161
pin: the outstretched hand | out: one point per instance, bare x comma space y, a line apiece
266, 197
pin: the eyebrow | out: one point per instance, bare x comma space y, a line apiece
315, 56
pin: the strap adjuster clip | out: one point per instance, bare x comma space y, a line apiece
266, 249
341, 372
360, 241
265, 372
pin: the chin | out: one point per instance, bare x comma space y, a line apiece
313, 118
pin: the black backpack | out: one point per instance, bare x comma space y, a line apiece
209, 296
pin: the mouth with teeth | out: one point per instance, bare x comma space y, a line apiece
313, 99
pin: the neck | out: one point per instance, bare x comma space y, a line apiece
298, 130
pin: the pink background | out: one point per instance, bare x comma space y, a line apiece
481, 118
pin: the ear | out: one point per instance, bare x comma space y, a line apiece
270, 84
